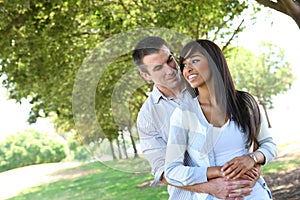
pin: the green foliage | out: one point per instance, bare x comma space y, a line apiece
264, 75
77, 151
28, 148
44, 45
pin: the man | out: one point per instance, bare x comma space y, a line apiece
157, 64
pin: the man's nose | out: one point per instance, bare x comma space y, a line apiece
169, 69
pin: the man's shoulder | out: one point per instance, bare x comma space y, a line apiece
148, 105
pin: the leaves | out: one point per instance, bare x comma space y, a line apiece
46, 45
264, 76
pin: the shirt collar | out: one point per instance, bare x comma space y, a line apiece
157, 94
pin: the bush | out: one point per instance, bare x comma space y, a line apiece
78, 152
29, 148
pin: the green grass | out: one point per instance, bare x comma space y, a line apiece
284, 163
276, 166
117, 180
104, 184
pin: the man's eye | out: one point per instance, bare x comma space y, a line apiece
195, 60
157, 68
170, 59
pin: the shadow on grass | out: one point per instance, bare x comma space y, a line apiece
96, 181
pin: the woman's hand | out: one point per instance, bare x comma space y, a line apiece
239, 166
253, 174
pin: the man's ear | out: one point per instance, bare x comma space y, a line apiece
146, 76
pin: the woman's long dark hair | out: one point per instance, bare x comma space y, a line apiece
240, 106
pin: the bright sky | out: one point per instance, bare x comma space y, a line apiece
284, 32
13, 117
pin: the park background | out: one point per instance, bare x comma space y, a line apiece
272, 26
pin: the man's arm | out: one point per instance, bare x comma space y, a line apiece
220, 188
152, 141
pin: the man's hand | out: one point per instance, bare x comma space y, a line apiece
221, 188
225, 189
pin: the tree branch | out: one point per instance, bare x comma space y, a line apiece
234, 33
222, 25
18, 20
292, 9
288, 7
271, 4
124, 7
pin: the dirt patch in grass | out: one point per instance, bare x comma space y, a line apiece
286, 183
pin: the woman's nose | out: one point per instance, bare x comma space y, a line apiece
188, 67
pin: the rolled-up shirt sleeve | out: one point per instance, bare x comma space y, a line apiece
266, 142
153, 145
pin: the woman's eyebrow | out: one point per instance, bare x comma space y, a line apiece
195, 55
192, 56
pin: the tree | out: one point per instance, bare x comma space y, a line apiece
264, 76
44, 45
288, 7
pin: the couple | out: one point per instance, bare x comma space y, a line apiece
195, 129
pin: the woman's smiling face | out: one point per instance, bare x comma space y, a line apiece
196, 70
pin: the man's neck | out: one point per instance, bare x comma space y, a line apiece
171, 92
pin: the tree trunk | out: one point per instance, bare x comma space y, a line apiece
112, 150
266, 114
288, 7
124, 145
119, 148
133, 142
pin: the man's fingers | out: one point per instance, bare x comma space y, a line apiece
240, 192
234, 198
231, 185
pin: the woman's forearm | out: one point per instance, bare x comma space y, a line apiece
214, 172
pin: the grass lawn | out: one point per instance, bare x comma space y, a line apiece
98, 181
119, 180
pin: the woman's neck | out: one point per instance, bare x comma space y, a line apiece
206, 96
213, 112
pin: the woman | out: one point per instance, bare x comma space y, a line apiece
218, 128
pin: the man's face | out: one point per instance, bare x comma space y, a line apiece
162, 70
